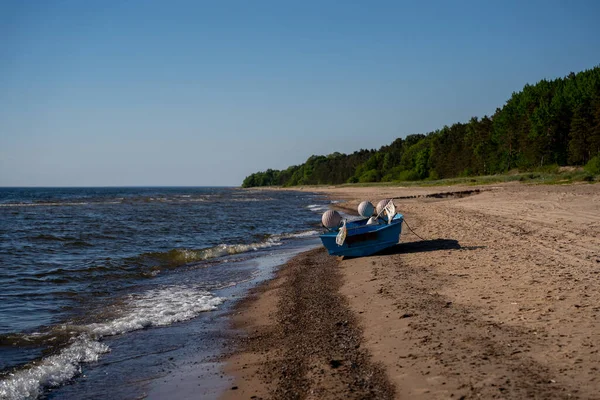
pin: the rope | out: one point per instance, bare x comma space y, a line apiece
416, 234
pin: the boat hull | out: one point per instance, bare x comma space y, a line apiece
364, 240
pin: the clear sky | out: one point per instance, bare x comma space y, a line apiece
103, 93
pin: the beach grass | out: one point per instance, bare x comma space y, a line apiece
545, 176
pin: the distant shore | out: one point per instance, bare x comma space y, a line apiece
500, 300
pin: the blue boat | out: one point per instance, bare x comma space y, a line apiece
362, 239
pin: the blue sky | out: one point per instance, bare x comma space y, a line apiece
105, 93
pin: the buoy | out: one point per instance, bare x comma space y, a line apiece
373, 221
365, 209
381, 205
331, 219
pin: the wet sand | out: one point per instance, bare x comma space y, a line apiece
501, 300
301, 340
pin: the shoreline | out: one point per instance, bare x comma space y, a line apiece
500, 300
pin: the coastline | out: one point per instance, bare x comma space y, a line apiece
500, 300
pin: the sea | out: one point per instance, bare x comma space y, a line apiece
124, 293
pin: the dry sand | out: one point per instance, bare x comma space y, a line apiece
501, 300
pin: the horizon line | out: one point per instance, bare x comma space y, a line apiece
119, 186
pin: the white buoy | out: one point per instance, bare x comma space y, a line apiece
381, 205
373, 221
331, 219
365, 209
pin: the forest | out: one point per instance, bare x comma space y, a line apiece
551, 123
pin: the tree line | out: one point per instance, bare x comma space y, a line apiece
553, 122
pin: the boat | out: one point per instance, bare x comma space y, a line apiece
362, 239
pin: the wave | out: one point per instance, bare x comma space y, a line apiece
157, 307
148, 265
67, 271
249, 199
68, 241
221, 250
78, 243
51, 371
304, 234
51, 238
120, 200
183, 256
31, 295
43, 204
82, 237
318, 207
177, 257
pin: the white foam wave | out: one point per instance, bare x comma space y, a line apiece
231, 249
251, 199
299, 234
51, 371
186, 256
317, 207
225, 249
41, 204
158, 307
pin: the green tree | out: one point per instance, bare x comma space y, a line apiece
578, 134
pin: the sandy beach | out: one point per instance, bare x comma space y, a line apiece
501, 300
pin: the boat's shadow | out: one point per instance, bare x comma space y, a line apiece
424, 246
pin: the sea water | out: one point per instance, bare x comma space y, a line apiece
106, 292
